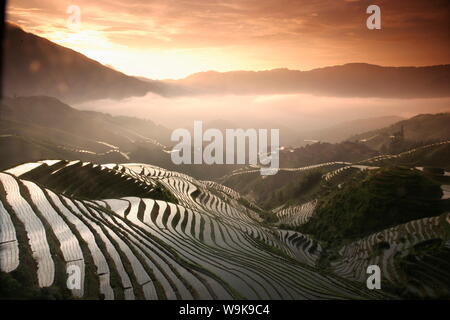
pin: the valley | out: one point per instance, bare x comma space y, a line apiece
207, 246
106, 195
138, 231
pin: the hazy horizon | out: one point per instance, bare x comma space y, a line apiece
299, 112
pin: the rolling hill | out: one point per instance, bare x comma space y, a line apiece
296, 185
383, 198
422, 128
191, 240
36, 128
367, 213
208, 246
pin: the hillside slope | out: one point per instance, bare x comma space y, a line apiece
420, 128
384, 198
296, 185
37, 66
39, 127
209, 246
345, 130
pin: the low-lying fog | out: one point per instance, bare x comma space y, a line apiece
293, 112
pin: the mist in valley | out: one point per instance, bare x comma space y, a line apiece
297, 116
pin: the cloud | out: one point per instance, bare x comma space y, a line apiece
261, 34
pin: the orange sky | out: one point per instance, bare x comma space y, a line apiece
174, 38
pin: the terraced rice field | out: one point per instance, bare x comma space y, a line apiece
206, 246
402, 155
295, 216
336, 168
306, 168
386, 249
306, 249
333, 174
445, 191
9, 249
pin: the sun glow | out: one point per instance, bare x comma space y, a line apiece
172, 39
150, 63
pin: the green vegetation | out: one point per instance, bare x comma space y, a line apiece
434, 156
418, 130
14, 286
323, 152
434, 170
427, 257
268, 217
284, 188
378, 200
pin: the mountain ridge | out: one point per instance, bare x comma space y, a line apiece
421, 127
347, 80
34, 65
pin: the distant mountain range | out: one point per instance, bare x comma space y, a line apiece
36, 66
349, 80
